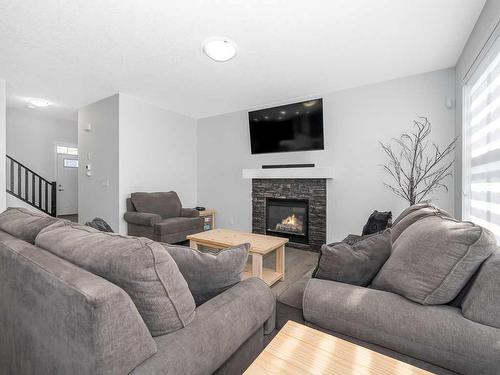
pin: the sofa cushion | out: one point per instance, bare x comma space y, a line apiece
140, 266
165, 204
355, 264
436, 334
289, 302
482, 303
208, 275
433, 259
220, 327
24, 224
178, 224
57, 318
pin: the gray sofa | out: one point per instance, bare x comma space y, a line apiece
59, 318
161, 217
462, 336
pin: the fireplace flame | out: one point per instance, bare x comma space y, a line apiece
290, 224
290, 220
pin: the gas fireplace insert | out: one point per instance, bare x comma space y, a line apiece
288, 218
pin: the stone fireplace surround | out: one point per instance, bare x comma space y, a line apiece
313, 189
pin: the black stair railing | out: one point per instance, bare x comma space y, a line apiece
30, 187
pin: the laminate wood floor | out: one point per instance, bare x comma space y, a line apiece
297, 263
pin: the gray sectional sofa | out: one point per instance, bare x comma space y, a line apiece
61, 314
461, 336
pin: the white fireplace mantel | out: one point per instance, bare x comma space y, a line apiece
315, 172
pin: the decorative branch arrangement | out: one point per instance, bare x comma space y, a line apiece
417, 169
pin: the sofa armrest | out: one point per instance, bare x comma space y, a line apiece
437, 334
189, 212
220, 327
67, 320
142, 218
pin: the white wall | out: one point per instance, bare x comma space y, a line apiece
16, 202
473, 50
95, 196
3, 198
157, 152
354, 121
31, 138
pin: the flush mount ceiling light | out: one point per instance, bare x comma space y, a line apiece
37, 102
310, 103
219, 49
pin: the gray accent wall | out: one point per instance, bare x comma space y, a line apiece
474, 49
354, 121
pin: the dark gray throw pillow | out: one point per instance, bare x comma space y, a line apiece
377, 222
355, 264
207, 274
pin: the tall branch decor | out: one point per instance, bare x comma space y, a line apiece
418, 167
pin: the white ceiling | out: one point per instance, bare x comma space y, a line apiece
76, 52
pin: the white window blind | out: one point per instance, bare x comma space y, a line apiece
481, 143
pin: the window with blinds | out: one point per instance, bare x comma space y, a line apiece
481, 143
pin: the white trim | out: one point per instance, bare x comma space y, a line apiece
301, 173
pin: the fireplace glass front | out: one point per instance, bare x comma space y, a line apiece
287, 218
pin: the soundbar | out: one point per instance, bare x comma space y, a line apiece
271, 166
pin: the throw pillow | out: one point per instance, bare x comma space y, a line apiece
208, 275
139, 266
416, 207
414, 214
355, 264
377, 222
24, 224
433, 259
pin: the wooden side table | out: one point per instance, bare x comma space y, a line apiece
208, 219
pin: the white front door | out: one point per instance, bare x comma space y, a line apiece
67, 184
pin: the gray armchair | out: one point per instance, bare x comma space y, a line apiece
161, 217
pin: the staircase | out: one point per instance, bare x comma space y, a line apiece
30, 187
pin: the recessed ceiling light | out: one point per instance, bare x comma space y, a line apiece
219, 49
283, 112
37, 102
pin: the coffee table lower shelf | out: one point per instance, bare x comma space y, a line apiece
268, 275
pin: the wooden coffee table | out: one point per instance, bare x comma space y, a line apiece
298, 349
260, 245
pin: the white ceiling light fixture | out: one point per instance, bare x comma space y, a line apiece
37, 102
219, 49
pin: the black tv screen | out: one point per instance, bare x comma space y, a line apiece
291, 127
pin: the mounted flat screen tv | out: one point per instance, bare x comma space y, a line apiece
291, 127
